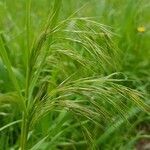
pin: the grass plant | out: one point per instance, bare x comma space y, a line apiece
70, 80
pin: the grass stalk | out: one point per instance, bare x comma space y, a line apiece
50, 24
24, 131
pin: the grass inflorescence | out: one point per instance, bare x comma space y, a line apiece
69, 80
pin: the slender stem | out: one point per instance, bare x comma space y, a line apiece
28, 5
24, 128
24, 133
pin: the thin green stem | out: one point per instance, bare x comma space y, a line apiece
24, 128
28, 5
24, 133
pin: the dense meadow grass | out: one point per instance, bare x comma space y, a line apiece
74, 75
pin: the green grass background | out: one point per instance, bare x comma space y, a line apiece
77, 84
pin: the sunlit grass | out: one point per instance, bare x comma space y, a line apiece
70, 81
